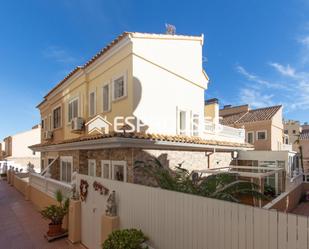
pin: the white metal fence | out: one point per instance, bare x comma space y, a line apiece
175, 220
49, 186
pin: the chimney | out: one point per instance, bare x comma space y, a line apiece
230, 110
211, 110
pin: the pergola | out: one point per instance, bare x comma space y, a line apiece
259, 175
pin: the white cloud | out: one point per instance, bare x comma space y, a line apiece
284, 70
255, 78
255, 98
60, 55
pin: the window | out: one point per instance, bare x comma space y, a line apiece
119, 88
294, 131
91, 167
106, 100
119, 171
182, 122
195, 124
261, 135
92, 103
286, 132
42, 124
57, 117
33, 153
250, 137
72, 109
106, 169
66, 167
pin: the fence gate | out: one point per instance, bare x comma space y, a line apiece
91, 213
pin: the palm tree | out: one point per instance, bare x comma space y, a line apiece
223, 186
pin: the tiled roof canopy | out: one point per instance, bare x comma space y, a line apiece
251, 116
148, 136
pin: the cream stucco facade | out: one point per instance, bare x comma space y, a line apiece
159, 71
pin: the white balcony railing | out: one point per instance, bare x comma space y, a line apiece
286, 147
223, 132
49, 186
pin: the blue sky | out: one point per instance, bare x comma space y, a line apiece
255, 51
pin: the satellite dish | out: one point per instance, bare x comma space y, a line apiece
170, 29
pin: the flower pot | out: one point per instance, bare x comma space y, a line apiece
54, 230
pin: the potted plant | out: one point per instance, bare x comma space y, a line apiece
56, 213
126, 239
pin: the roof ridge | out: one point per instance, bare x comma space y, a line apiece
265, 108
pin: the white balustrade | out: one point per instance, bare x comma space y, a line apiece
49, 186
223, 132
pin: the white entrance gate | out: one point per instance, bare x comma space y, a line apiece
92, 210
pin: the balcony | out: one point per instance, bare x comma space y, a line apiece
286, 147
215, 131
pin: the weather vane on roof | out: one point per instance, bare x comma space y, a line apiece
170, 29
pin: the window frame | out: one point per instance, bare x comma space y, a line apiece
187, 120
120, 163
60, 123
94, 104
114, 99
253, 137
66, 159
195, 132
95, 167
78, 108
109, 97
257, 135
109, 162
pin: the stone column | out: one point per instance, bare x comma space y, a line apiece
75, 221
108, 225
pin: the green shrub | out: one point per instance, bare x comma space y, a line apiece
125, 239
56, 213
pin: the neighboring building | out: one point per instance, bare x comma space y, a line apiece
264, 126
264, 130
304, 145
292, 129
156, 80
17, 148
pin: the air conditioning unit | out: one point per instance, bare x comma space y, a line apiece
77, 124
47, 135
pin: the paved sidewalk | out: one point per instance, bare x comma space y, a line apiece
21, 225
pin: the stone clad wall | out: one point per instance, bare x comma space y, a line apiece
191, 160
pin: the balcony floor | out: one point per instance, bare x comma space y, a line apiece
21, 224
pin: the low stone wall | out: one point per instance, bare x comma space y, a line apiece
286, 202
21, 184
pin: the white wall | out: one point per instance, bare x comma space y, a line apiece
21, 142
174, 220
21, 154
159, 91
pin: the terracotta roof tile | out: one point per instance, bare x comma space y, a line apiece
251, 116
148, 136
